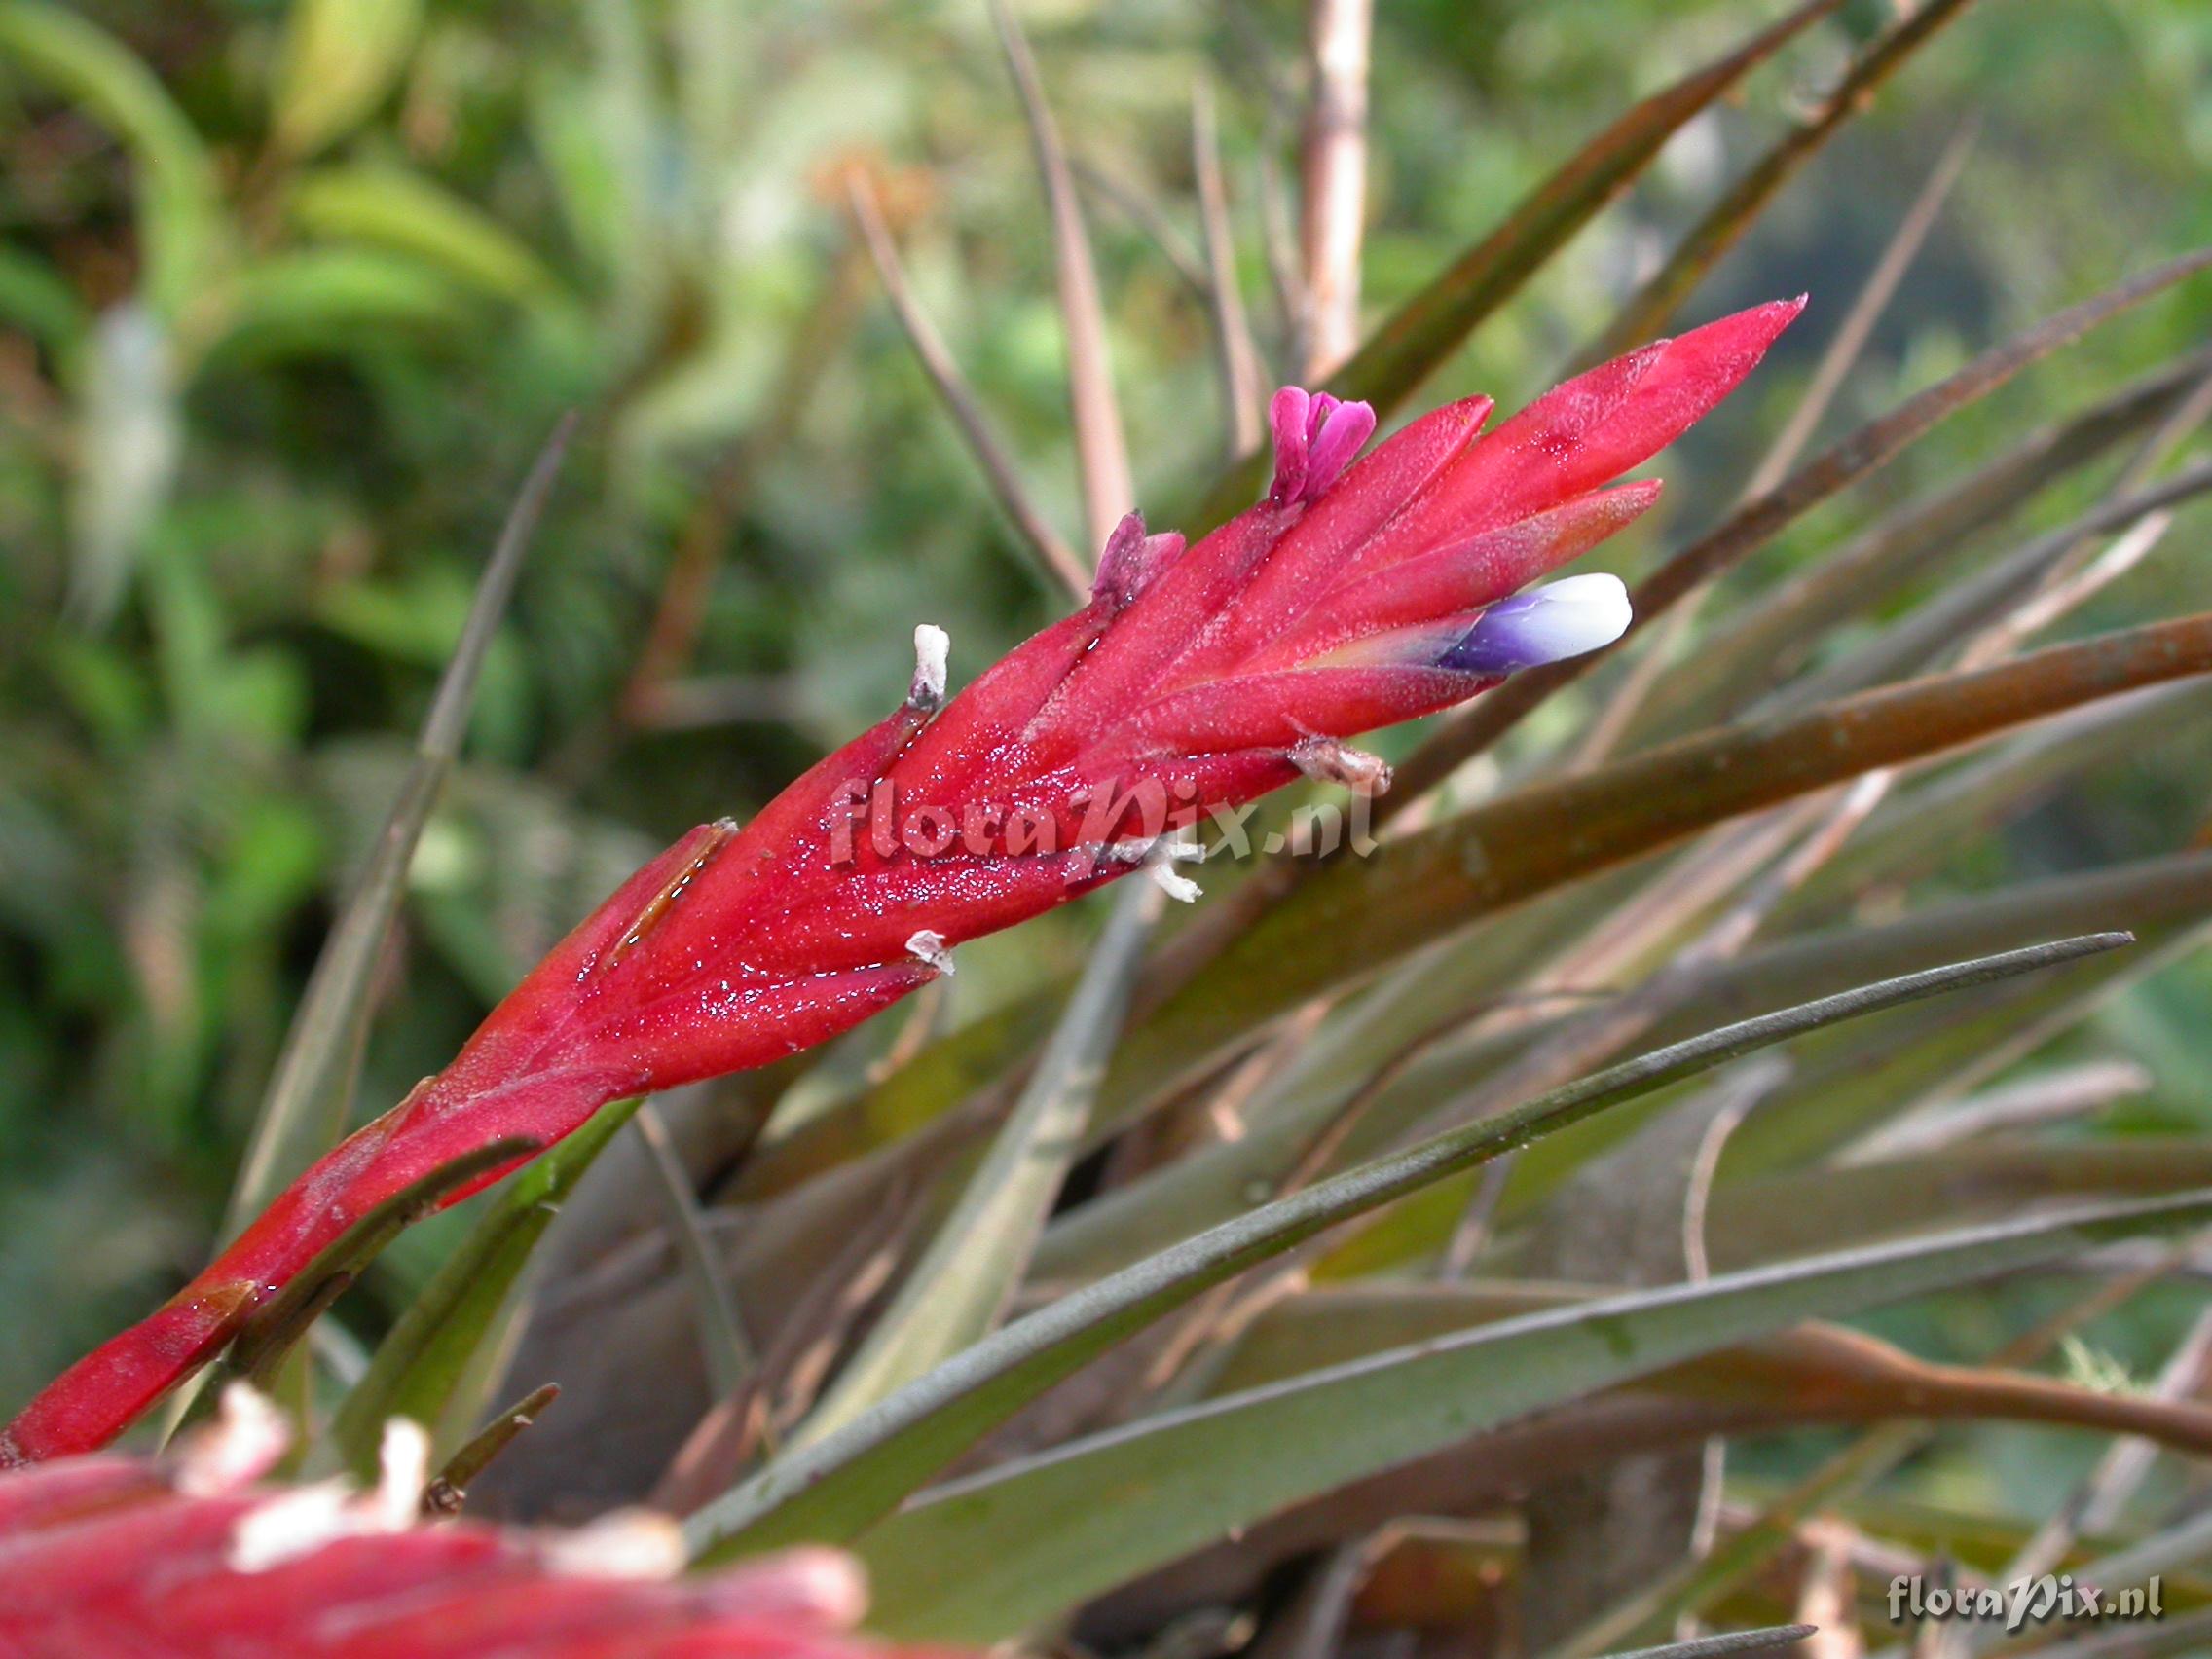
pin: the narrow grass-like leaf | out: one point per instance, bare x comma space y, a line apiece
1102, 456
307, 1097
1211, 1182
1918, 828
1826, 1209
426, 1361
2056, 1094
318, 300
851, 1478
1038, 536
1839, 358
1838, 1094
1429, 327
728, 1355
1728, 1641
1745, 200
1144, 213
1237, 358
1954, 616
1759, 521
987, 1557
959, 1290
1813, 1372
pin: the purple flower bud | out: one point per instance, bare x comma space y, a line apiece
1561, 619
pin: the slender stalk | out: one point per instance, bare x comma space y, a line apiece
1102, 455
1333, 180
1238, 357
722, 1343
1143, 212
1037, 536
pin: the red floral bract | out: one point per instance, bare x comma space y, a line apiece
1357, 594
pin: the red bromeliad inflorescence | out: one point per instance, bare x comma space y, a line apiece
189, 1556
1359, 593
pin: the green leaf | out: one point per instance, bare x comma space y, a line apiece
340, 59
35, 298
1750, 649
988, 1557
449, 1332
723, 1341
838, 1486
1825, 1209
324, 301
181, 218
391, 207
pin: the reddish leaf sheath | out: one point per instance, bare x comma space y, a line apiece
1359, 593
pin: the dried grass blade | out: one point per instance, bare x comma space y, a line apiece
1042, 542
1333, 180
1238, 356
1101, 451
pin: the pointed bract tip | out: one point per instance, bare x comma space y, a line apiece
1548, 624
931, 648
1129, 560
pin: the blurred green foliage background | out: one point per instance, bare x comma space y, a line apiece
290, 293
